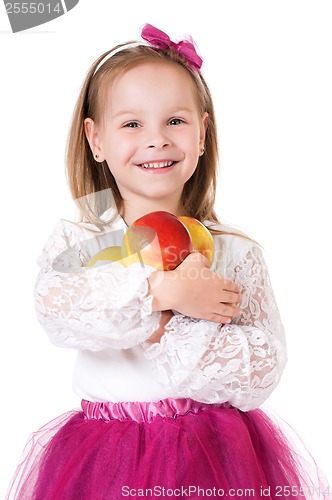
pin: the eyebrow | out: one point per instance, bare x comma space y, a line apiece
139, 111
181, 108
127, 112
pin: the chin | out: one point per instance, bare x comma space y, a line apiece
164, 196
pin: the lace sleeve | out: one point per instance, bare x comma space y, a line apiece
90, 308
241, 362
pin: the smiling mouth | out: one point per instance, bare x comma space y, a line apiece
153, 165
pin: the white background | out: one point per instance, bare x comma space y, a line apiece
268, 65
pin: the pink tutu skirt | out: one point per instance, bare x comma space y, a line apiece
170, 448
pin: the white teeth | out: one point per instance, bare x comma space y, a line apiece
158, 165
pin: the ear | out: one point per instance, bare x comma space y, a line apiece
94, 139
203, 128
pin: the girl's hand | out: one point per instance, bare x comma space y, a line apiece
165, 317
193, 290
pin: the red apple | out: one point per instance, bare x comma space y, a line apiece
160, 240
201, 237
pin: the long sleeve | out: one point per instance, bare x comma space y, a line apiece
90, 308
241, 362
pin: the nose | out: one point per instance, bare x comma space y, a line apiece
158, 145
158, 139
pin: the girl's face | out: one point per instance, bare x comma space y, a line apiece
151, 136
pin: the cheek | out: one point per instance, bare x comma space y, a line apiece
191, 142
120, 148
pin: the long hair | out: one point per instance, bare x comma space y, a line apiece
87, 177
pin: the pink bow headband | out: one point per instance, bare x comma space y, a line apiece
159, 40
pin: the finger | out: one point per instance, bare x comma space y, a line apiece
231, 297
230, 285
219, 318
228, 310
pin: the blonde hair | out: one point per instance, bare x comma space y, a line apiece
86, 177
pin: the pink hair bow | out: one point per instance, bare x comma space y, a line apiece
186, 48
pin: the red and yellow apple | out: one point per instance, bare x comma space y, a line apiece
201, 237
160, 240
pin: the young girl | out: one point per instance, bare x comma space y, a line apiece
172, 366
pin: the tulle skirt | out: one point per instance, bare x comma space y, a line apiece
170, 448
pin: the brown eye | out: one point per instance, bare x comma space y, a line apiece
176, 121
132, 125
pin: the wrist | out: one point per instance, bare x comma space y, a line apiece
164, 319
160, 289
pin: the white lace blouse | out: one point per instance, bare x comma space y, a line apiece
105, 313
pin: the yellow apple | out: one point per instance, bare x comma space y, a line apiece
113, 254
201, 237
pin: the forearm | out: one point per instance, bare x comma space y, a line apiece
91, 308
201, 360
102, 308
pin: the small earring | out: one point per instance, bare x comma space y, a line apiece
202, 151
96, 156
